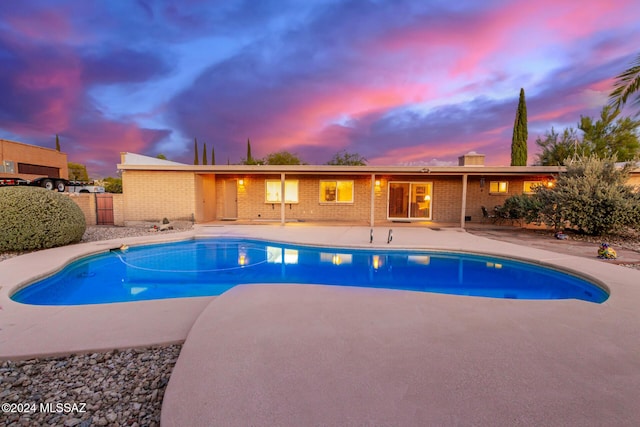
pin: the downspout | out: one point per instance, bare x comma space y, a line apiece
464, 200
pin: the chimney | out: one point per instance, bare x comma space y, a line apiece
471, 159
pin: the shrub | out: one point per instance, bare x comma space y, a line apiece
590, 197
35, 218
522, 207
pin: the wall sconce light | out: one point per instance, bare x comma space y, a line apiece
241, 182
481, 182
377, 183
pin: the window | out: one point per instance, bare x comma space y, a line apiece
273, 188
529, 186
8, 167
336, 191
498, 186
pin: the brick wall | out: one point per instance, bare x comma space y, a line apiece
447, 199
154, 195
87, 203
252, 206
118, 209
479, 195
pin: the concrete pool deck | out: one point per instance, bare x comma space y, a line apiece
314, 355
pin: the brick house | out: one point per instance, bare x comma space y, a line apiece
155, 189
19, 160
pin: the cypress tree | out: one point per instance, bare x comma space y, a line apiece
213, 156
196, 161
249, 158
57, 143
520, 134
204, 154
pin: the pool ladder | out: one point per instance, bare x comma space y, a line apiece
389, 236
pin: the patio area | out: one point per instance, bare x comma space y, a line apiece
315, 355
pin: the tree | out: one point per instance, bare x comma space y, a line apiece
608, 137
213, 155
57, 143
161, 156
249, 157
557, 148
627, 84
520, 134
342, 158
249, 160
113, 185
204, 154
282, 158
77, 172
196, 161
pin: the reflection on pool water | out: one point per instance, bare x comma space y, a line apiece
208, 267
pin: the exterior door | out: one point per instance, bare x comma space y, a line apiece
231, 199
398, 200
104, 208
410, 200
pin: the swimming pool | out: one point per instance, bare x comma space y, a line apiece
209, 267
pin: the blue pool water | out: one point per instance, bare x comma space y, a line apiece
207, 267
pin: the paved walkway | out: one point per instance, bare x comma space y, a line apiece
315, 355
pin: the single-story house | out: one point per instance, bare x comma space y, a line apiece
154, 189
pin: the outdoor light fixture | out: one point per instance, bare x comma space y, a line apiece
241, 182
377, 183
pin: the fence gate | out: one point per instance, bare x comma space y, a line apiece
104, 209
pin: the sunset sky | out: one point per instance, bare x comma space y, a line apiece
401, 82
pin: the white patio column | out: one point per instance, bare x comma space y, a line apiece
282, 198
464, 200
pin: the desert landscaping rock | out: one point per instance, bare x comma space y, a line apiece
116, 388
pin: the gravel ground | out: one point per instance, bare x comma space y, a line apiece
116, 388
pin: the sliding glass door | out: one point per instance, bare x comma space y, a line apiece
409, 200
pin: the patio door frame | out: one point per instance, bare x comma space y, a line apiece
412, 186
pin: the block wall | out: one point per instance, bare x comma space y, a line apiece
447, 199
154, 195
87, 204
118, 209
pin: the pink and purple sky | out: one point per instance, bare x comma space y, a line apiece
401, 82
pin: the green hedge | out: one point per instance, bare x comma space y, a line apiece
35, 218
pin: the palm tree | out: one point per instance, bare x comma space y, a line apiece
627, 84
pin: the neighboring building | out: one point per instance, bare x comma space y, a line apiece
154, 189
18, 160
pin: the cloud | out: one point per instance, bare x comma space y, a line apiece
395, 81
